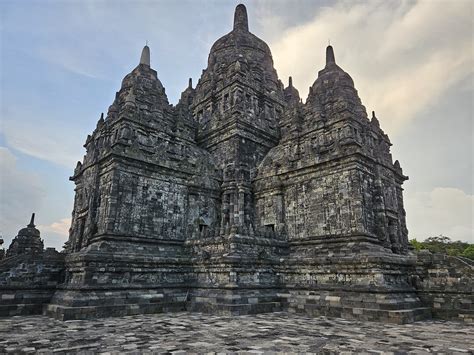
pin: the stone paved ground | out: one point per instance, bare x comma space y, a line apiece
198, 333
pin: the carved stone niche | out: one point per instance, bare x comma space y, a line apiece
203, 224
393, 234
125, 133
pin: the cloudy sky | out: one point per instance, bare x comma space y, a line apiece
62, 61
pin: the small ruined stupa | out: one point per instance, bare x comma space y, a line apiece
28, 241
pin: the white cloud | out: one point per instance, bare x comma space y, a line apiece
20, 193
444, 210
60, 227
44, 140
56, 233
402, 55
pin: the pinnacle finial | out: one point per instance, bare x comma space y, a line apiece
241, 21
290, 82
330, 55
190, 83
374, 120
145, 58
32, 221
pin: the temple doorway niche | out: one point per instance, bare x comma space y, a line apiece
203, 225
269, 228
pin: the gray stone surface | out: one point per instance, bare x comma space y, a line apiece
242, 199
29, 274
446, 284
199, 333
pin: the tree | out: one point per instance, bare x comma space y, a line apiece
437, 244
456, 248
416, 244
444, 245
469, 252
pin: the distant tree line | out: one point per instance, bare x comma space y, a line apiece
444, 245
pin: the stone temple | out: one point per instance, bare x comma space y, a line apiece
240, 199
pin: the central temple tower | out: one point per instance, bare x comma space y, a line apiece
237, 102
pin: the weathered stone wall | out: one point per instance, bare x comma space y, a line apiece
85, 216
370, 287
150, 208
445, 284
28, 281
324, 205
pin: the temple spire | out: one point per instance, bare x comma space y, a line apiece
374, 120
330, 55
190, 83
290, 82
241, 21
145, 58
32, 221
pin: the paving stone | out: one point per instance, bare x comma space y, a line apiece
261, 333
